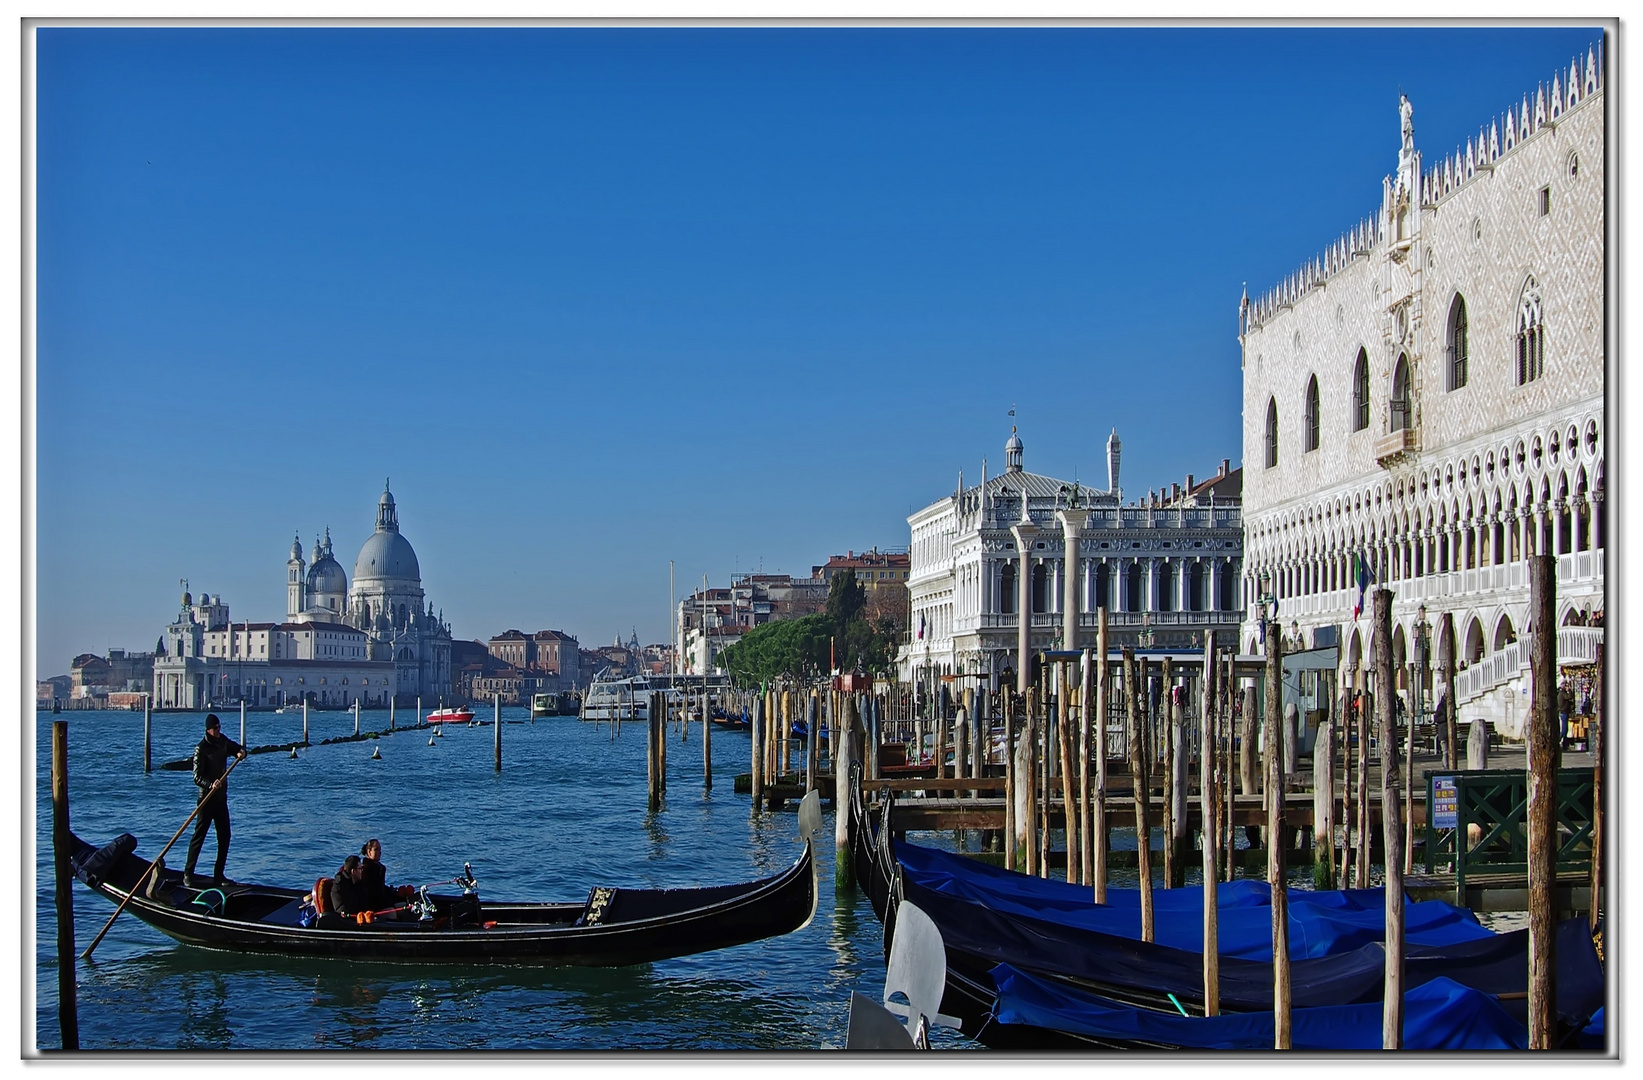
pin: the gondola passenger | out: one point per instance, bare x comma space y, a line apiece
348, 892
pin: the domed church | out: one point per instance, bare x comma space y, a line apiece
385, 601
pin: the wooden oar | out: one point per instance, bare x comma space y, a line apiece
209, 792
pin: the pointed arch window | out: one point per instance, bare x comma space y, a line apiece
1531, 334
1271, 432
1399, 407
1457, 351
1360, 392
1311, 414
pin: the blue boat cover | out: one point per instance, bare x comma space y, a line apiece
1320, 923
979, 937
1438, 1015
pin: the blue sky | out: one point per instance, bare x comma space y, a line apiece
601, 298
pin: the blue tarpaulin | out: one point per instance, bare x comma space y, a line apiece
1438, 1015
1320, 923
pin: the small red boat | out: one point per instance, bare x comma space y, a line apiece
456, 714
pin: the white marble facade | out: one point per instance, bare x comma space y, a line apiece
1167, 566
1429, 395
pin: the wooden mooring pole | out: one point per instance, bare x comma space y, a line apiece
812, 740
1136, 734
1597, 741
1012, 784
656, 750
496, 739
1069, 768
1166, 724
1274, 740
356, 719
1101, 841
1543, 739
148, 733
305, 719
707, 734
1446, 663
1208, 840
242, 724
68, 1009
1386, 693
1364, 726
844, 793
755, 759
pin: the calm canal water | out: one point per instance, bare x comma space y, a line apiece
566, 813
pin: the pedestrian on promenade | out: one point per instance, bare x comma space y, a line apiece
210, 765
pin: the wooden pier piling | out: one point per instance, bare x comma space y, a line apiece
656, 750
1064, 746
242, 724
496, 727
1446, 664
1246, 745
1365, 722
148, 733
68, 1008
845, 732
1012, 786
1544, 745
1597, 741
305, 721
707, 736
755, 760
1391, 826
1323, 807
1208, 830
1166, 732
812, 740
1135, 733
1274, 753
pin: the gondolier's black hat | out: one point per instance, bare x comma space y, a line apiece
211, 722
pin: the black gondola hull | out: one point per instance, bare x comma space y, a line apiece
638, 925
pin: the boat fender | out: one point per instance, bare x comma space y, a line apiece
92, 867
365, 917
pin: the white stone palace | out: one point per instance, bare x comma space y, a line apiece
1166, 567
1428, 396
370, 642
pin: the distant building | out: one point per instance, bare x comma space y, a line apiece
369, 642
92, 676
558, 660
53, 690
1165, 567
884, 576
750, 600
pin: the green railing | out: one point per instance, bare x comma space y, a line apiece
1496, 801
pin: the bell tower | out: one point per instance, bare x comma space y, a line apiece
294, 600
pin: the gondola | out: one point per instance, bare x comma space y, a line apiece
1125, 973
611, 928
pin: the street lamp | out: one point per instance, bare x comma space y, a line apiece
1146, 630
1264, 601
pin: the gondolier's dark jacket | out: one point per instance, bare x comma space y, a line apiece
211, 761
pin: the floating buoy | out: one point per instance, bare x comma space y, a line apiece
440, 732
376, 753
430, 740
293, 753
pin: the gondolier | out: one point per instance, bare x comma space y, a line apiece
210, 765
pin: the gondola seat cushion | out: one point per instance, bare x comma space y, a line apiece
92, 868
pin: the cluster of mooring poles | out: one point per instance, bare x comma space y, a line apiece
1048, 776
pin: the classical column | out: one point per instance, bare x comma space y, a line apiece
1024, 532
1072, 535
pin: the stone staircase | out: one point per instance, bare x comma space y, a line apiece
1498, 687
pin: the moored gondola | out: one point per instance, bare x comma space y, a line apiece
981, 935
611, 928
